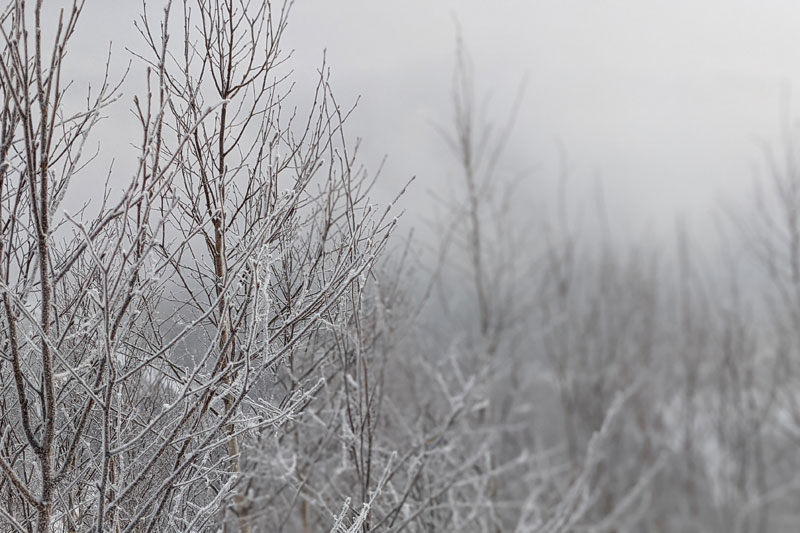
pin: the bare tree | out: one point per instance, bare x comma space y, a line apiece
141, 339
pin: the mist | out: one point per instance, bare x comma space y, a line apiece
354, 267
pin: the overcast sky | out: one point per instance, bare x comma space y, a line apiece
667, 102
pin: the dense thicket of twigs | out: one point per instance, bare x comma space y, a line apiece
229, 338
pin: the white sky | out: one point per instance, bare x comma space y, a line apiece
667, 101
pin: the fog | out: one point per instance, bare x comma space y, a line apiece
669, 106
353, 266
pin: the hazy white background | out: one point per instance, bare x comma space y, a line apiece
666, 102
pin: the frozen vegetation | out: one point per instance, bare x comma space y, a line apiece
233, 336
